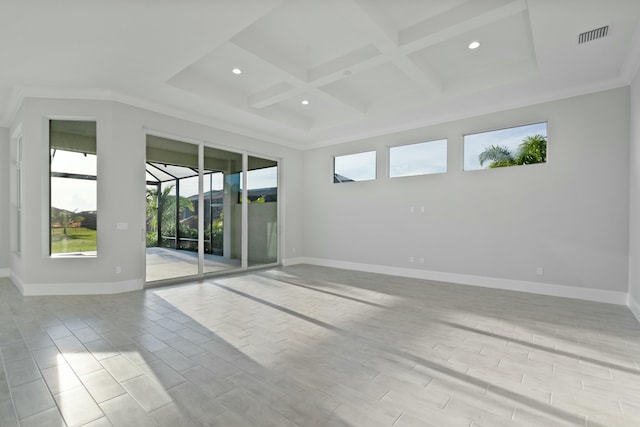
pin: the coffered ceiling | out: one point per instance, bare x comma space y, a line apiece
361, 67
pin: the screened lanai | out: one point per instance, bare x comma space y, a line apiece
173, 224
179, 230
172, 210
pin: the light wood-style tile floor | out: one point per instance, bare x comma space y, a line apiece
311, 346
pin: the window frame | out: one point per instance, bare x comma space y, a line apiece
375, 167
16, 192
47, 243
532, 123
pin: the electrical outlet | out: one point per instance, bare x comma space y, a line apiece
118, 269
539, 271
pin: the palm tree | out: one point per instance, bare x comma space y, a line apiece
533, 149
499, 156
152, 208
162, 208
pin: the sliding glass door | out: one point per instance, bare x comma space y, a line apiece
222, 227
262, 206
196, 220
172, 214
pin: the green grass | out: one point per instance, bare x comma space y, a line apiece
77, 240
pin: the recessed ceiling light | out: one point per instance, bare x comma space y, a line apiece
305, 102
474, 45
236, 71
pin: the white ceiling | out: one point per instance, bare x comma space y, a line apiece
367, 67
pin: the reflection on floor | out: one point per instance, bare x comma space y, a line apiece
167, 263
312, 346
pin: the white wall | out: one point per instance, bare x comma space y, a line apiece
4, 202
569, 216
121, 193
634, 223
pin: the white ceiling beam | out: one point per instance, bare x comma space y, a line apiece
378, 18
322, 75
355, 105
273, 94
391, 46
262, 100
455, 22
338, 74
293, 86
270, 58
287, 116
421, 77
388, 38
282, 92
340, 65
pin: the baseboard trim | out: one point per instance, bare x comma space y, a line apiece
292, 261
17, 282
4, 272
597, 295
44, 289
634, 306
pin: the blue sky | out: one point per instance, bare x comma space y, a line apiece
358, 167
418, 159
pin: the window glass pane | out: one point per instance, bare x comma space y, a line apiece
354, 167
172, 209
520, 145
262, 184
167, 214
73, 183
213, 214
418, 159
262, 192
17, 197
188, 220
222, 210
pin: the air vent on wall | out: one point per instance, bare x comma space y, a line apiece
588, 36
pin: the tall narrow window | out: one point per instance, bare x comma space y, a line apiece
73, 188
18, 199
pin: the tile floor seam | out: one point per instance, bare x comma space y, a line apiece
357, 338
4, 368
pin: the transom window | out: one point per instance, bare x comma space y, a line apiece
354, 167
418, 159
522, 145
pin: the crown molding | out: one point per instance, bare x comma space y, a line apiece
509, 104
21, 93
